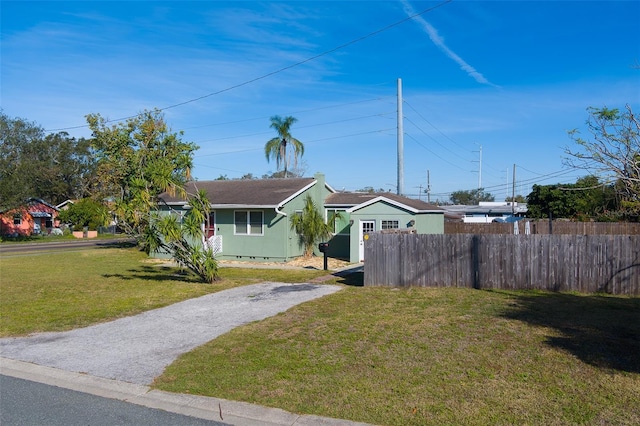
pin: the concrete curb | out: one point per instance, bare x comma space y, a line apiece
222, 410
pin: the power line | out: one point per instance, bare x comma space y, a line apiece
307, 142
432, 125
433, 139
448, 138
291, 113
547, 176
301, 127
586, 188
288, 67
446, 161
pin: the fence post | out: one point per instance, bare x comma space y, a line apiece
475, 260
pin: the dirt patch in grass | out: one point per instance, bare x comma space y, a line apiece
313, 262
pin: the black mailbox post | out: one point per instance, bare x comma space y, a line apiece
324, 248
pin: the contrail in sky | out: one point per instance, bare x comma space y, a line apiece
439, 42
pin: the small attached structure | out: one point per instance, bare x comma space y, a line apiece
364, 213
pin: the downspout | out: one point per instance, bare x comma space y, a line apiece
278, 211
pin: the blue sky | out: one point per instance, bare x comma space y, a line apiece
511, 77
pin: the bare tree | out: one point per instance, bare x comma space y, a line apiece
612, 153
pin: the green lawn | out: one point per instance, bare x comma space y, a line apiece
64, 290
432, 357
379, 355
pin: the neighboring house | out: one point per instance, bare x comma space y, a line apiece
250, 219
487, 211
65, 204
35, 217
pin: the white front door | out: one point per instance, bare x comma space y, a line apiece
366, 226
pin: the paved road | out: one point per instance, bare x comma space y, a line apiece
137, 349
11, 249
23, 402
201, 407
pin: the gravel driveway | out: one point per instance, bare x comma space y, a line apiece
137, 349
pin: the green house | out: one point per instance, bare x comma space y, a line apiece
363, 213
251, 219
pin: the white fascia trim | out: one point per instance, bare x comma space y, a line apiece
382, 198
291, 197
249, 206
394, 203
242, 206
330, 188
176, 205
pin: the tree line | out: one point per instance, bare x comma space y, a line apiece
54, 167
128, 165
124, 166
610, 191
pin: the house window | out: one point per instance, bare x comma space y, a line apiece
340, 224
177, 215
17, 219
390, 224
48, 223
248, 222
210, 226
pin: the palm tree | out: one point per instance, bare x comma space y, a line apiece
310, 226
277, 147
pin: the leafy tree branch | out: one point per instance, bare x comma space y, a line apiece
612, 152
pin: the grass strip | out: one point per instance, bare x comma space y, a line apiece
58, 291
432, 357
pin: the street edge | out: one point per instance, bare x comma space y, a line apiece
209, 408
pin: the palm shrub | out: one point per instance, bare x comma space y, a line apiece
184, 241
310, 226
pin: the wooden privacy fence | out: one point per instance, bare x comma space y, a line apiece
582, 263
543, 227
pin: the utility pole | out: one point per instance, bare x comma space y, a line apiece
428, 188
400, 187
506, 191
479, 168
513, 191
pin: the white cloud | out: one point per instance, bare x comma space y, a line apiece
439, 42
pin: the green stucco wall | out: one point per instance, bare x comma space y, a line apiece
425, 223
278, 243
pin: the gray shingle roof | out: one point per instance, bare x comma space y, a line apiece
250, 192
355, 198
272, 192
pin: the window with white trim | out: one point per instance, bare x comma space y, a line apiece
389, 224
17, 219
340, 224
248, 222
177, 215
210, 225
